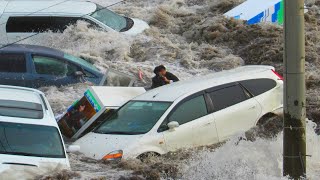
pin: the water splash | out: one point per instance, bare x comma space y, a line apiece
261, 159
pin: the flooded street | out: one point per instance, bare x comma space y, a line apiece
191, 38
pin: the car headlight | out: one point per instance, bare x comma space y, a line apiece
114, 155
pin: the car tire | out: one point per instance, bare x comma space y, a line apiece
267, 127
145, 157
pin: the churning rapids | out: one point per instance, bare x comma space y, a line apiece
191, 38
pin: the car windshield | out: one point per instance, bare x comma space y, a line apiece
80, 61
109, 18
30, 140
136, 117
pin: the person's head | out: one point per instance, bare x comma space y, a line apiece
82, 107
160, 70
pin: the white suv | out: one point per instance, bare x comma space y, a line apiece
197, 112
20, 19
29, 135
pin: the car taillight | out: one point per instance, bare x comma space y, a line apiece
277, 74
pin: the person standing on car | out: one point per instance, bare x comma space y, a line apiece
162, 77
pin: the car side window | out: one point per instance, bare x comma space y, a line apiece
189, 110
14, 63
258, 86
51, 66
38, 24
227, 97
89, 74
28, 24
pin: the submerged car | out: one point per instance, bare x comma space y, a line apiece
29, 135
197, 112
21, 19
37, 66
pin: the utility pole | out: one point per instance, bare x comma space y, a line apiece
294, 133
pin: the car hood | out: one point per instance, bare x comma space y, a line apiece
26, 167
96, 145
138, 27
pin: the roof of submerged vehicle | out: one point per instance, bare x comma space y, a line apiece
19, 94
175, 90
44, 7
32, 49
24, 95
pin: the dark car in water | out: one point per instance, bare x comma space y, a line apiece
37, 66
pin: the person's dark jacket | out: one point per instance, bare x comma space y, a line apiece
158, 81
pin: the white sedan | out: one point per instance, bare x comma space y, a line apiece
197, 112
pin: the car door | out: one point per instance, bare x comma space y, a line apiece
196, 126
234, 110
51, 71
14, 69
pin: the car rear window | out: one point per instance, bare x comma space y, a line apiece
15, 63
258, 86
21, 109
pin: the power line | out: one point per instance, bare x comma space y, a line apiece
9, 44
2, 15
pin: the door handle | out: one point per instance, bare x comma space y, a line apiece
253, 107
207, 124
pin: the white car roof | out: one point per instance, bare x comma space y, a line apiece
45, 7
170, 93
19, 94
26, 95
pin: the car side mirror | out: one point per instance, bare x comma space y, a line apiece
78, 73
73, 148
172, 125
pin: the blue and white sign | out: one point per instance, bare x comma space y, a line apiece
256, 11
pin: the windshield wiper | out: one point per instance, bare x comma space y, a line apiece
118, 132
20, 164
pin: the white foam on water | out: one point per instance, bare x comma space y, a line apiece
261, 159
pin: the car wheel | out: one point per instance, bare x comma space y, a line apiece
268, 126
145, 157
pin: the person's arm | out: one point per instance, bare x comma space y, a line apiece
172, 77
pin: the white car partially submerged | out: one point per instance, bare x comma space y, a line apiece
21, 19
197, 112
29, 135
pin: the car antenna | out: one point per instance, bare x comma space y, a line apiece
155, 95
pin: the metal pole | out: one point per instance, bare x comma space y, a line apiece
294, 133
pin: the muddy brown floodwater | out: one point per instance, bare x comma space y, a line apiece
191, 38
